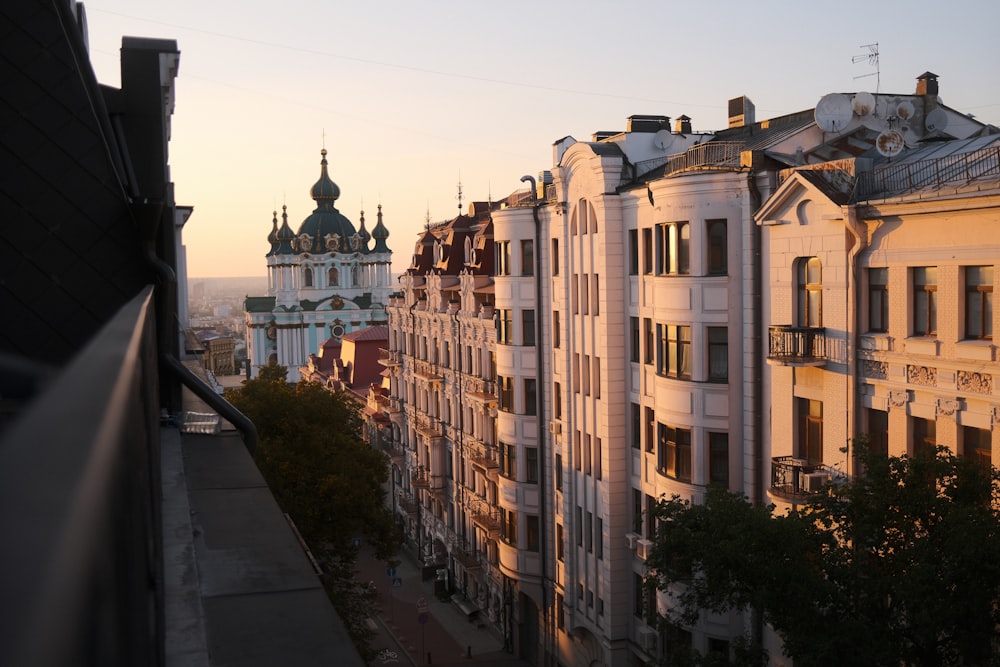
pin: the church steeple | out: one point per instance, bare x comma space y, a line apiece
325, 191
285, 235
363, 233
380, 234
272, 238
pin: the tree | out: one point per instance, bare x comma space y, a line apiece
325, 477
900, 566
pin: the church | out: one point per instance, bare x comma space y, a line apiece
324, 281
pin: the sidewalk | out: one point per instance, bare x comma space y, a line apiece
446, 637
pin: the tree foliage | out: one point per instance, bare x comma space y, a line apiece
324, 476
900, 566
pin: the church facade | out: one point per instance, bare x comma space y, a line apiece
325, 280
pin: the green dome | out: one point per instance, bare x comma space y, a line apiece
327, 228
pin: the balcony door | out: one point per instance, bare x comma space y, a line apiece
809, 287
810, 418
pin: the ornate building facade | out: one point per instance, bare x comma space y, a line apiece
324, 280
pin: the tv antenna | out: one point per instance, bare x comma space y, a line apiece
872, 58
459, 196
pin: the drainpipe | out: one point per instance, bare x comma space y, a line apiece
756, 355
543, 458
857, 230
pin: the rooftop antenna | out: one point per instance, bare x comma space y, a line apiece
459, 196
427, 217
872, 58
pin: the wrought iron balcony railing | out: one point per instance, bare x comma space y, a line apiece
796, 346
796, 480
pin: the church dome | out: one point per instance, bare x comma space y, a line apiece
326, 229
272, 238
380, 234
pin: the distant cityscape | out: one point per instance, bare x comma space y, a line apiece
216, 308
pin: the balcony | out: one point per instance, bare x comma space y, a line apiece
485, 457
427, 371
796, 480
480, 390
389, 358
796, 346
467, 558
420, 478
408, 503
485, 516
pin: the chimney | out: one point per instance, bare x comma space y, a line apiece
927, 84
683, 125
741, 112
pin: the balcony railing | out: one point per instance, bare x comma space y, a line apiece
389, 358
485, 516
796, 480
796, 346
80, 506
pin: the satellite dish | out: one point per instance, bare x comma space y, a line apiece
662, 139
904, 110
936, 120
889, 143
864, 103
834, 112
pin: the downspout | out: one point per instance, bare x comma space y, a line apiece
756, 394
547, 616
851, 308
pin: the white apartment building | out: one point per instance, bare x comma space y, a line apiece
632, 291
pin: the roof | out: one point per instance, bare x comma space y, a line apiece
368, 334
259, 304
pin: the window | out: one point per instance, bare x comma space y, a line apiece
599, 542
527, 258
634, 340
718, 459
503, 258
587, 457
506, 395
682, 262
673, 351
977, 445
578, 525
509, 519
598, 455
596, 380
588, 539
924, 300
878, 300
531, 465
558, 472
647, 251
585, 293
718, 251
809, 284
557, 400
505, 326
924, 436
979, 302
574, 295
674, 452
673, 248
528, 327
650, 423
595, 306
636, 414
878, 431
560, 546
333, 276
530, 397
718, 354
307, 278
810, 416
648, 335
633, 252
556, 332
533, 532
508, 460
555, 257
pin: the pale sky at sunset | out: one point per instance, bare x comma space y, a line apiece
415, 96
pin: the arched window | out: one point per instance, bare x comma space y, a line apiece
307, 278
355, 276
333, 277
809, 287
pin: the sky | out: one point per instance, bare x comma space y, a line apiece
411, 99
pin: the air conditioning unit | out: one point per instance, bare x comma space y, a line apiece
814, 481
555, 428
643, 548
631, 539
648, 639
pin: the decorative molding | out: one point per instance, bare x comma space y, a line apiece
980, 383
877, 370
947, 407
898, 398
921, 375
994, 417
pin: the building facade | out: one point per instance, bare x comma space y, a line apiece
324, 280
630, 336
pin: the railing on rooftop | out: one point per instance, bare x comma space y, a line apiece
897, 179
80, 505
713, 154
